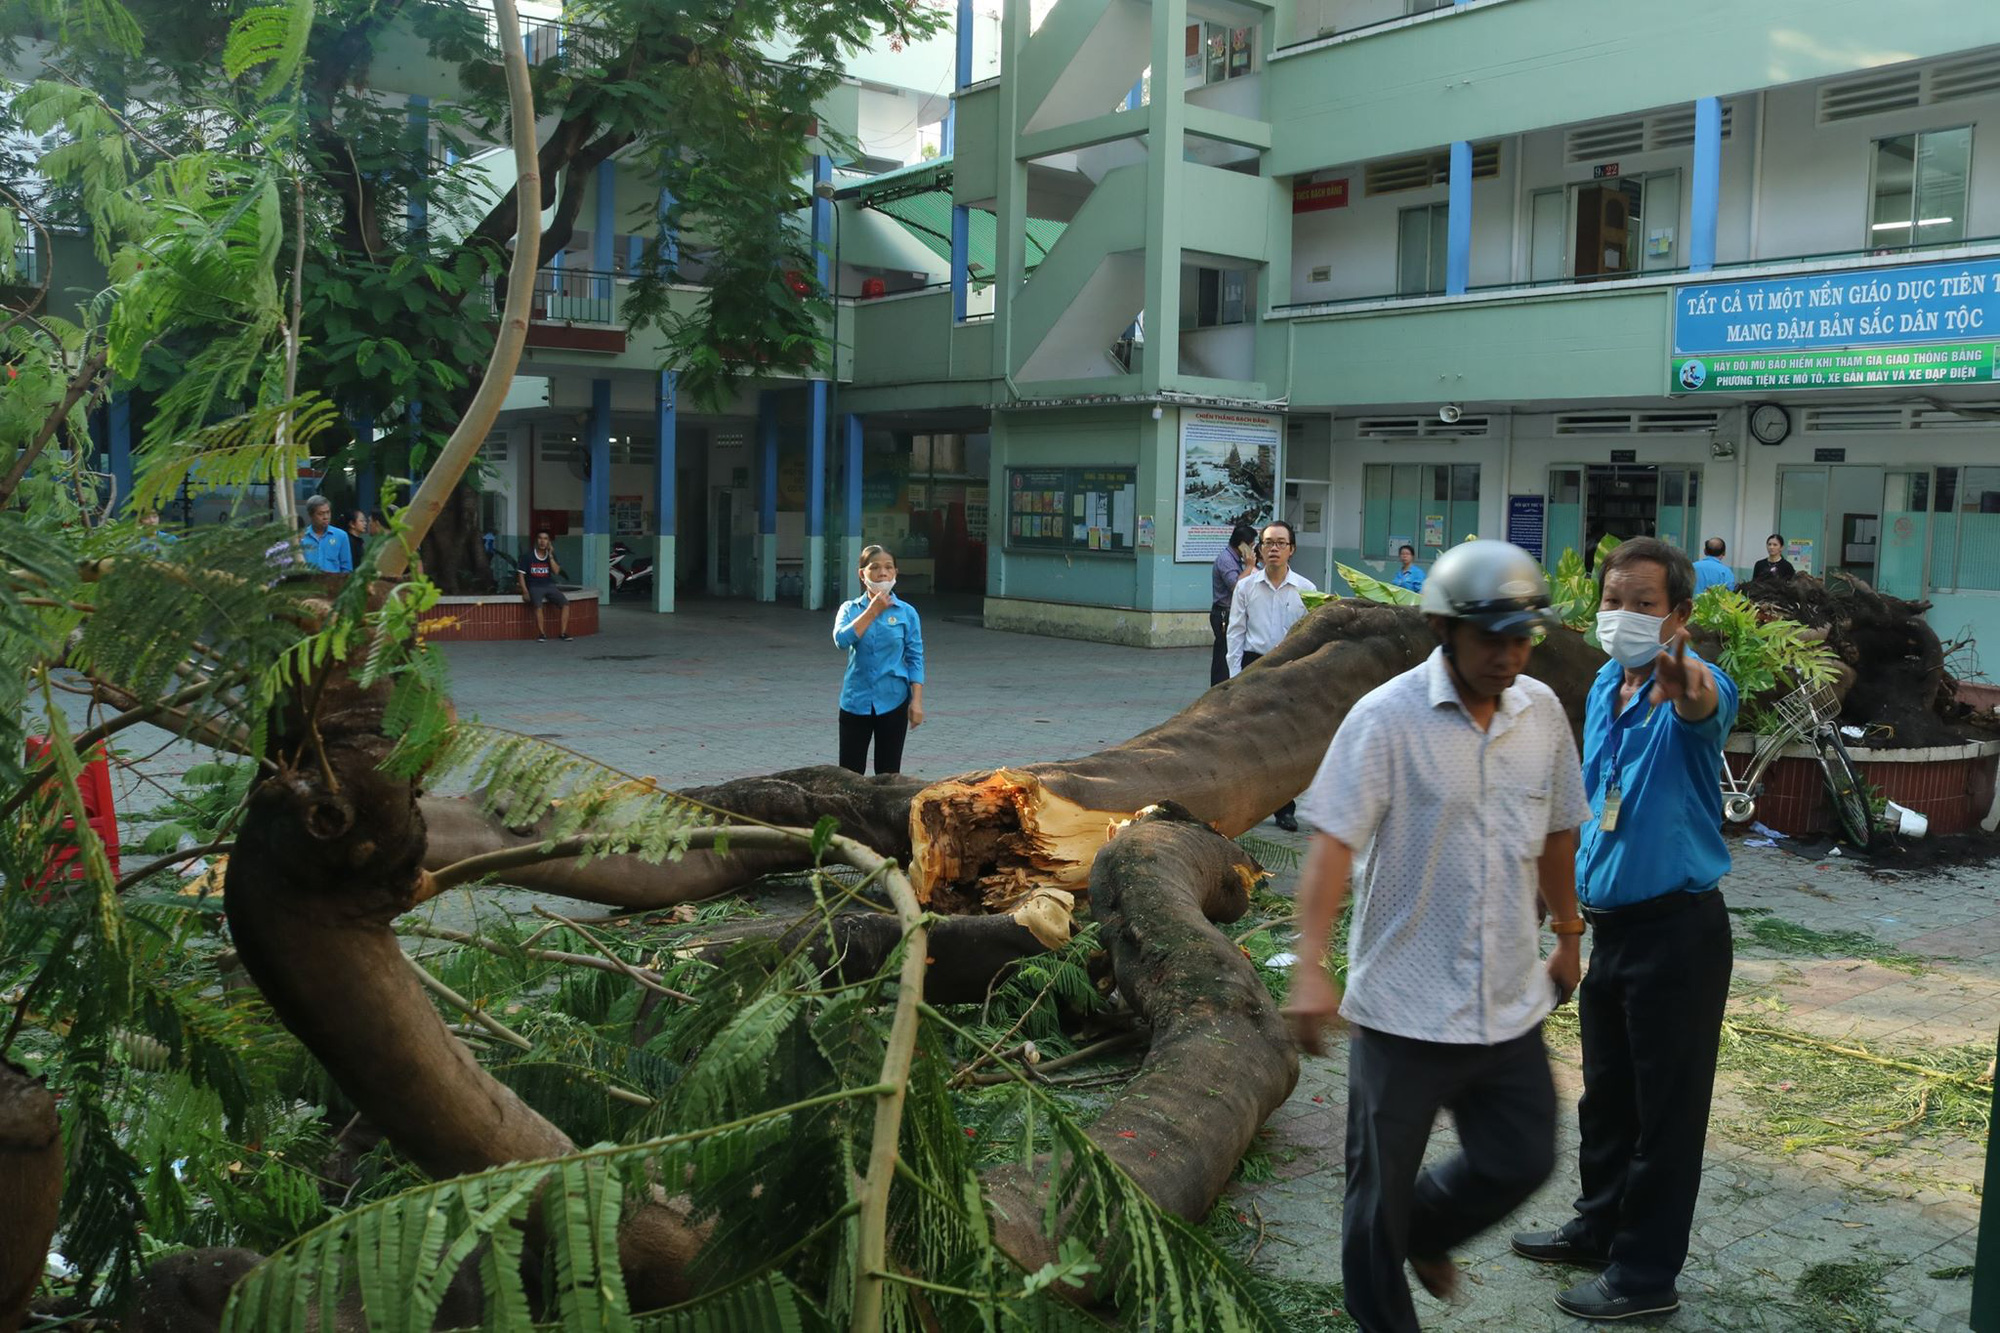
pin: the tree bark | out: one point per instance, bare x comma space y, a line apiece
31, 1183
1220, 1060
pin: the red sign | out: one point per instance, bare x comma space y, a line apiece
1315, 196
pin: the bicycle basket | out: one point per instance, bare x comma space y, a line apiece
1805, 709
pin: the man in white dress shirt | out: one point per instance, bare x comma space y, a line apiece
1463, 774
1263, 610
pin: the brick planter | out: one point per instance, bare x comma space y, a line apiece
1950, 785
491, 617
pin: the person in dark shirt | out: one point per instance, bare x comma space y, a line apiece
538, 574
1230, 565
1774, 547
357, 532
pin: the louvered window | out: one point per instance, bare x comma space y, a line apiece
1905, 87
1657, 132
1422, 170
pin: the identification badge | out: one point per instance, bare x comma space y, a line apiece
892, 620
1608, 821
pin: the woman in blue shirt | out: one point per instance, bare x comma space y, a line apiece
1411, 575
882, 694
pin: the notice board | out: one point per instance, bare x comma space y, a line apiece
1072, 509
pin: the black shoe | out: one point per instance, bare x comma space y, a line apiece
1285, 822
1556, 1247
1596, 1300
541, 638
565, 638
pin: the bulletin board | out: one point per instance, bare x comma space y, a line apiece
1072, 509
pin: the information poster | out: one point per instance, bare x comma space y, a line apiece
1072, 509
1800, 553
1526, 520
1228, 475
628, 515
1434, 530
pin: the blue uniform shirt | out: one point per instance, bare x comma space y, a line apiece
331, 554
883, 662
1411, 578
1710, 572
1669, 776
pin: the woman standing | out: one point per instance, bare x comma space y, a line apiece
1776, 564
882, 694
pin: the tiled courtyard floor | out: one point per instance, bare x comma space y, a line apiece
1905, 963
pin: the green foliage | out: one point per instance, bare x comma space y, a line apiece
273, 35
1370, 589
1573, 588
1762, 654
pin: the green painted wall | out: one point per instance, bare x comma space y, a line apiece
1563, 347
1504, 68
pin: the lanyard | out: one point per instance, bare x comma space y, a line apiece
1614, 795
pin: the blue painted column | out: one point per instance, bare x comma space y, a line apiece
850, 470
816, 399
767, 496
601, 257
118, 443
961, 220
1458, 221
596, 571
1705, 202
666, 491
418, 209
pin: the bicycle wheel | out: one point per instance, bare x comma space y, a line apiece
1846, 789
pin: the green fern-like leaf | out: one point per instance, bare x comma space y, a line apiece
271, 34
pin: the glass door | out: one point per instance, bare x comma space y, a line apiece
1802, 517
1906, 534
1564, 531
1679, 517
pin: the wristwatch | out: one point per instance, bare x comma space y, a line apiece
1574, 926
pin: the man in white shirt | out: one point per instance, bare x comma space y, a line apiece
1263, 610
1463, 774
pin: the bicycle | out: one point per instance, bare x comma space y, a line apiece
1809, 714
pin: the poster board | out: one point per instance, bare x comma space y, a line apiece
1073, 509
1228, 475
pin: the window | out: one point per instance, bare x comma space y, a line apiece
1420, 250
1626, 224
1920, 188
1425, 6
1429, 505
1213, 297
1216, 52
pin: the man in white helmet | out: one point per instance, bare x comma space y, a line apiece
1463, 775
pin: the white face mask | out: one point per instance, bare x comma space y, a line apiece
873, 586
1631, 638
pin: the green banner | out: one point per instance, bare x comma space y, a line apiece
1870, 368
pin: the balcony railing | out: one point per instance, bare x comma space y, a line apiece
1886, 255
570, 296
546, 39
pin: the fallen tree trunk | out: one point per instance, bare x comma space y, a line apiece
1220, 1060
982, 841
31, 1185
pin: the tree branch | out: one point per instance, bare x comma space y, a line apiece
79, 387
647, 979
645, 976
471, 430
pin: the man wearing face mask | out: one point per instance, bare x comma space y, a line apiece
1651, 1005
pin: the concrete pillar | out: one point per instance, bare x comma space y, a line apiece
1705, 196
118, 443
1458, 222
602, 257
1165, 170
666, 489
850, 471
767, 496
596, 571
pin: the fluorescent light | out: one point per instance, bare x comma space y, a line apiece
1904, 226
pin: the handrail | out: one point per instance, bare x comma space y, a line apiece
1676, 276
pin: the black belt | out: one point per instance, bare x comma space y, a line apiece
1652, 909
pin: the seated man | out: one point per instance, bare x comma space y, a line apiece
539, 570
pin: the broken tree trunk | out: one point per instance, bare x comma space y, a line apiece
31, 1184
1220, 1060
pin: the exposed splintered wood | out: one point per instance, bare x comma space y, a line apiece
1220, 1060
986, 841
31, 1184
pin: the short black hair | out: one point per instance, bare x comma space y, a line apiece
1777, 537
1242, 534
1291, 533
543, 532
1651, 550
1713, 546
1407, 547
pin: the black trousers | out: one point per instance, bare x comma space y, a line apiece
1218, 660
1502, 1101
886, 730
1651, 1015
1289, 807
